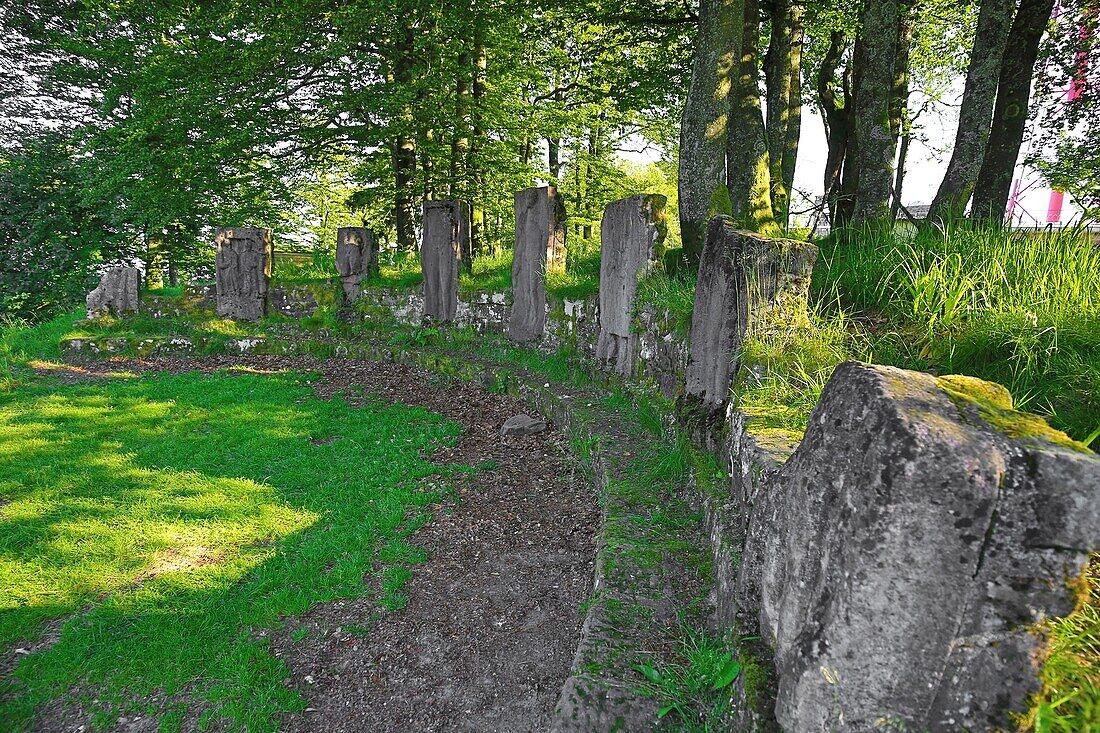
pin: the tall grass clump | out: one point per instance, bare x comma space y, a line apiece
322, 266
671, 294
398, 269
784, 368
490, 272
1018, 308
582, 270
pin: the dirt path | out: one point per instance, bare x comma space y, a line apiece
493, 617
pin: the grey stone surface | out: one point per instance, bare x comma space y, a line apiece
244, 262
523, 425
630, 234
745, 281
540, 248
356, 259
117, 293
446, 235
901, 558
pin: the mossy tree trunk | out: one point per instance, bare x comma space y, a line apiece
748, 170
874, 102
782, 76
994, 19
1010, 111
900, 122
703, 129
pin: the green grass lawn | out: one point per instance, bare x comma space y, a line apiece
164, 519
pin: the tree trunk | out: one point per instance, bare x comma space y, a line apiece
426, 165
460, 139
404, 171
782, 76
477, 211
873, 103
748, 172
586, 209
794, 106
899, 176
950, 201
1010, 112
899, 106
703, 129
553, 159
403, 149
832, 94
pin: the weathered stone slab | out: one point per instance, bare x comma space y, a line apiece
243, 261
446, 236
116, 293
903, 556
745, 280
540, 249
356, 259
631, 231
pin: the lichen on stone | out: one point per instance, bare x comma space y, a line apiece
994, 404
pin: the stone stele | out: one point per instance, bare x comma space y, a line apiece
540, 249
244, 261
910, 549
116, 293
446, 236
356, 259
630, 233
746, 281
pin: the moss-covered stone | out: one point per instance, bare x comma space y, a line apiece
994, 404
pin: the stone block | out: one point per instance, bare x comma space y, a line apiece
746, 281
356, 259
630, 235
906, 553
117, 293
446, 236
540, 249
244, 261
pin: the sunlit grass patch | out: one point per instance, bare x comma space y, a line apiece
165, 518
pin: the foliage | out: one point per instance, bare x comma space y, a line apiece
490, 273
321, 265
1070, 700
671, 294
158, 561
1067, 107
1020, 309
692, 688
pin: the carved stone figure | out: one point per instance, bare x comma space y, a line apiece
540, 249
116, 293
244, 259
630, 234
356, 259
446, 235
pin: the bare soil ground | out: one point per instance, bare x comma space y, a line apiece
493, 617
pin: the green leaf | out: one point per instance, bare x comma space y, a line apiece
668, 709
729, 673
648, 672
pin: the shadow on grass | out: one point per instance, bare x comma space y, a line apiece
170, 516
